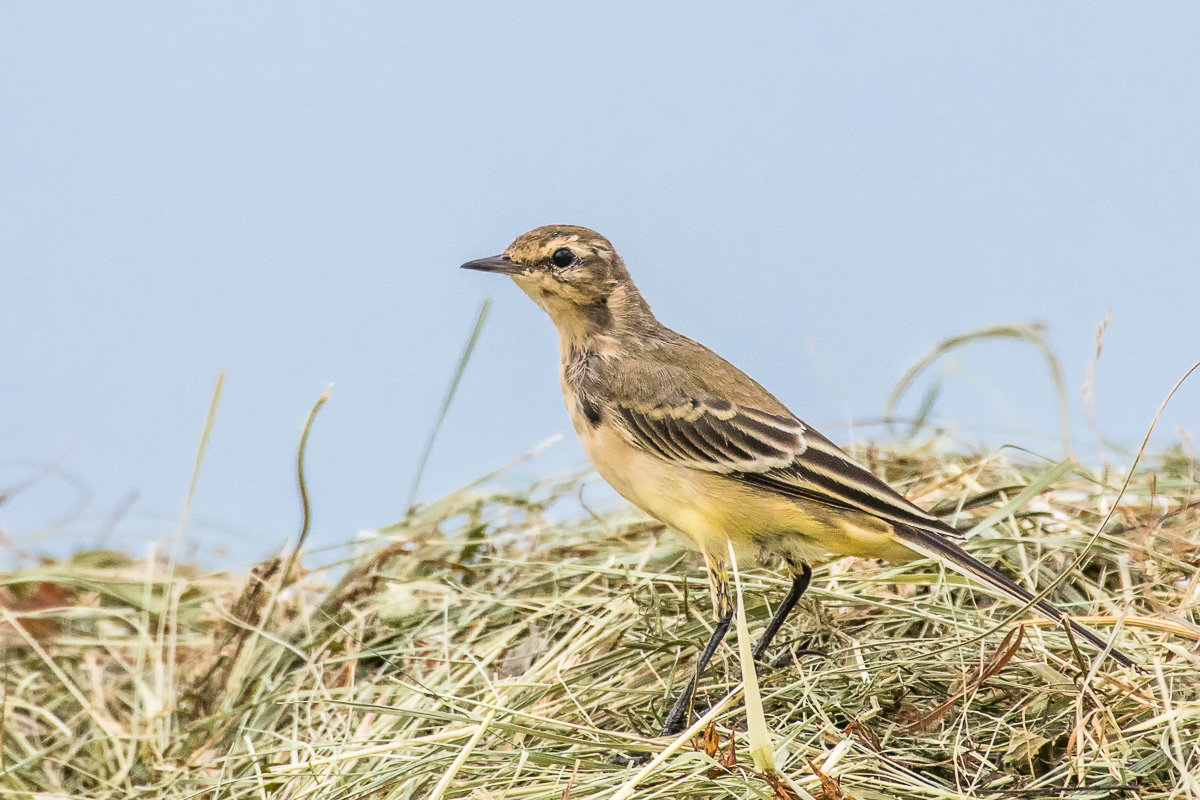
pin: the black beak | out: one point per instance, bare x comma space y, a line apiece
501, 264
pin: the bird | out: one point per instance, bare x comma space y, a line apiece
697, 444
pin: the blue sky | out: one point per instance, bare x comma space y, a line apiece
820, 192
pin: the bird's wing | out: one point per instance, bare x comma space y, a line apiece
773, 452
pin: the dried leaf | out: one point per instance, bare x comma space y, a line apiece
990, 668
521, 656
780, 788
831, 788
1023, 748
30, 608
728, 759
864, 733
571, 782
708, 740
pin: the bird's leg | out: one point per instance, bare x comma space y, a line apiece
677, 720
799, 584
718, 581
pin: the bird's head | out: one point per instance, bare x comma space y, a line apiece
560, 265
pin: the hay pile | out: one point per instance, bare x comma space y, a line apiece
500, 645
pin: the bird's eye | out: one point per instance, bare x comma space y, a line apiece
563, 257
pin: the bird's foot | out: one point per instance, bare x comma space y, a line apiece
673, 726
631, 759
787, 658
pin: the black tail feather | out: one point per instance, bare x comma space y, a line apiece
933, 545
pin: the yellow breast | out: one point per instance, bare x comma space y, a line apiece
712, 509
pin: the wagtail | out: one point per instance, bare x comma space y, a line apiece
697, 444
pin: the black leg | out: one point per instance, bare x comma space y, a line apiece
799, 584
680, 713
677, 720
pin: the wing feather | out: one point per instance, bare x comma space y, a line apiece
689, 439
645, 435
772, 452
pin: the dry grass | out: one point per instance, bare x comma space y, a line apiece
491, 647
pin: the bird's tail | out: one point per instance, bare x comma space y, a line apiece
931, 545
